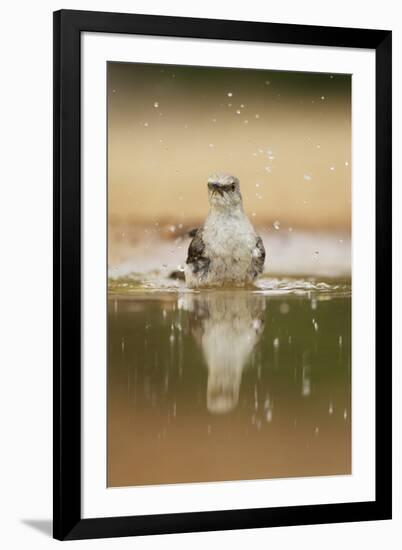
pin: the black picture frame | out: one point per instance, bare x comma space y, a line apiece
68, 26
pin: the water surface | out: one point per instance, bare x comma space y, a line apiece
228, 385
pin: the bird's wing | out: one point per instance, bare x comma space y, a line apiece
258, 257
193, 232
196, 253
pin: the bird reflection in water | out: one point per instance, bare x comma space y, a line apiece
227, 385
227, 326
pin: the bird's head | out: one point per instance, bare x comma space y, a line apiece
224, 191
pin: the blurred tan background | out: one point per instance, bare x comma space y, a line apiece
286, 135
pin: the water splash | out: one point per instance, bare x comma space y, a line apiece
156, 281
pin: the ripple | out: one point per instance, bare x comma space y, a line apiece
303, 286
270, 286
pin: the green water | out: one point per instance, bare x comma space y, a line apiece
228, 385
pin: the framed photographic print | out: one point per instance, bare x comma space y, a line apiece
222, 274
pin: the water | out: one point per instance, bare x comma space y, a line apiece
228, 385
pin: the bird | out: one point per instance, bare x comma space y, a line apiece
225, 251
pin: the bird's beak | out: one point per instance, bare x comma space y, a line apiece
217, 189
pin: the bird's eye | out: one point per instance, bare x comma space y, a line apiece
232, 187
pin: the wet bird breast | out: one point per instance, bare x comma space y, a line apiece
230, 240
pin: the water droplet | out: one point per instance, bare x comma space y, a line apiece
269, 415
238, 112
276, 225
242, 106
230, 94
254, 214
307, 177
257, 115
332, 168
340, 341
276, 343
268, 169
330, 408
345, 414
318, 146
211, 145
346, 163
156, 104
323, 97
146, 124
